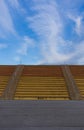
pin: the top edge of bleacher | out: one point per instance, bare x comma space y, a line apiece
9, 69
43, 65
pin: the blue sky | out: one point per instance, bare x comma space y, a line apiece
42, 32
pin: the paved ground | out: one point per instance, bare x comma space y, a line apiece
41, 115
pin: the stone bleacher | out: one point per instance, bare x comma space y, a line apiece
41, 82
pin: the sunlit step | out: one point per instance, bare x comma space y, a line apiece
81, 89
79, 79
2, 85
80, 83
47, 91
35, 98
34, 89
81, 86
39, 87
32, 82
42, 85
24, 90
42, 88
41, 94
82, 92
40, 77
2, 89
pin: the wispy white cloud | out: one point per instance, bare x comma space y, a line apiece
81, 61
78, 23
14, 3
2, 45
6, 22
17, 59
26, 44
47, 24
71, 5
46, 21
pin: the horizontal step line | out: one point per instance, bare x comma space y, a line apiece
41, 90
41, 95
50, 86
42, 82
42, 87
28, 80
40, 78
29, 98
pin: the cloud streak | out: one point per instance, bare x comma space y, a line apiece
55, 27
6, 22
3, 46
14, 3
27, 42
47, 24
78, 23
22, 51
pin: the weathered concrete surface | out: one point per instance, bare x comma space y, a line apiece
44, 128
41, 115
